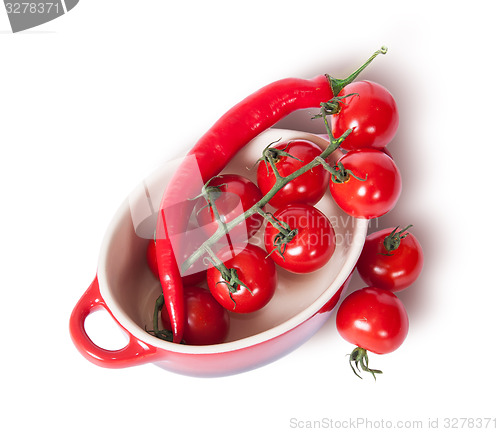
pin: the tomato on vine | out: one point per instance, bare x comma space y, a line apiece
374, 320
370, 111
300, 238
206, 321
391, 259
242, 280
366, 183
287, 158
227, 196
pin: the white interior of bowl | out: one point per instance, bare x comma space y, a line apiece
130, 289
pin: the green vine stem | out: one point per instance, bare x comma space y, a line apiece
272, 155
282, 227
279, 184
211, 193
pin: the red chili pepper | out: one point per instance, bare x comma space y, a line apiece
213, 151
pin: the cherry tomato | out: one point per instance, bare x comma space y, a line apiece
188, 279
375, 192
257, 275
371, 113
308, 188
374, 319
312, 245
393, 268
206, 323
231, 195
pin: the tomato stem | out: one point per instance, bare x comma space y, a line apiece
393, 240
359, 357
338, 84
284, 236
332, 106
341, 175
230, 275
281, 226
272, 155
281, 241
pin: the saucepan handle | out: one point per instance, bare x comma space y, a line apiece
136, 352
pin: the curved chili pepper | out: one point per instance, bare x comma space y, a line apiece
214, 150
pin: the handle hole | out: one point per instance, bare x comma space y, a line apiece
104, 331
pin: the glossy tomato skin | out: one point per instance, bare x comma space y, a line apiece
253, 269
372, 113
308, 188
374, 319
393, 272
311, 248
372, 197
206, 322
238, 194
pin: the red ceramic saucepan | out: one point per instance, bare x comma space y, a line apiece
125, 287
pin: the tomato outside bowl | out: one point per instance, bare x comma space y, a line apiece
125, 287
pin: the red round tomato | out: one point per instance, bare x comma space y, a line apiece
373, 319
256, 279
371, 113
231, 195
308, 188
391, 267
311, 247
375, 191
206, 322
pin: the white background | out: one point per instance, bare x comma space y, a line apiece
95, 100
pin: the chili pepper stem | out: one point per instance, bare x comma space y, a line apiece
338, 84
